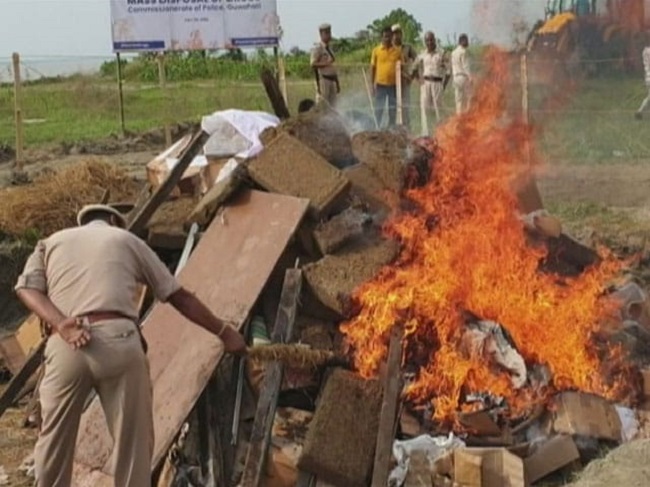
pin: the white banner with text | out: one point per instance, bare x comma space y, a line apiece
182, 25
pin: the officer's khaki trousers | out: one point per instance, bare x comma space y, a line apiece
430, 92
646, 100
462, 90
328, 91
113, 364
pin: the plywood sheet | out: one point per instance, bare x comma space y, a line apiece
227, 271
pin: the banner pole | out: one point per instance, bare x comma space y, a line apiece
18, 112
120, 93
162, 78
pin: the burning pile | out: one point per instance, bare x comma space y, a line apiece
468, 282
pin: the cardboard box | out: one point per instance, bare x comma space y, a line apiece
287, 438
588, 415
16, 347
556, 453
210, 172
481, 423
490, 467
158, 169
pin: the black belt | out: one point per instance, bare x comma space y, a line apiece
330, 77
435, 79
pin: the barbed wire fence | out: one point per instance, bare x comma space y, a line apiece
64, 99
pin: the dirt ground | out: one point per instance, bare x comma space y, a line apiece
620, 184
620, 188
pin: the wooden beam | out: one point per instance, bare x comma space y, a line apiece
144, 214
20, 379
268, 400
274, 93
388, 418
18, 113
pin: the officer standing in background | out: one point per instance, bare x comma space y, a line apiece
322, 62
462, 74
431, 69
646, 66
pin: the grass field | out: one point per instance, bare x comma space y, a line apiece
594, 124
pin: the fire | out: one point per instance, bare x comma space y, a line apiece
464, 250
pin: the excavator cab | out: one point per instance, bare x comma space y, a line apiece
590, 30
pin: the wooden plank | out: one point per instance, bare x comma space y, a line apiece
388, 417
12, 353
16, 347
19, 380
216, 196
228, 270
268, 401
18, 113
274, 93
29, 334
162, 192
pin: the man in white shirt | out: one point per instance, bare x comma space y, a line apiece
462, 74
431, 69
646, 66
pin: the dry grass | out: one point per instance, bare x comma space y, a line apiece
53, 200
16, 443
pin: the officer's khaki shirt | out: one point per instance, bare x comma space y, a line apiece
460, 62
319, 54
433, 64
96, 267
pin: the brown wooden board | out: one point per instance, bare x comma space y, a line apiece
227, 271
388, 416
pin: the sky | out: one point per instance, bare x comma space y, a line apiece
81, 28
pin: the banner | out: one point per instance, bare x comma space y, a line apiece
182, 25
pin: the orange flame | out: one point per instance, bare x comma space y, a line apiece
464, 249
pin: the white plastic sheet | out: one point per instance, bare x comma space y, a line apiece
433, 447
236, 132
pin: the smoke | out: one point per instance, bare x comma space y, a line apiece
505, 23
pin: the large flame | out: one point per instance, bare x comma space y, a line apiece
464, 249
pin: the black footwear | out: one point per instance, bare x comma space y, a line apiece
638, 116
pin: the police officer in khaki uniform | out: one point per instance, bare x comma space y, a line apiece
82, 282
322, 62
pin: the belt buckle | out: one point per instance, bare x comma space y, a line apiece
84, 322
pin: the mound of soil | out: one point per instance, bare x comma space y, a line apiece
324, 131
626, 466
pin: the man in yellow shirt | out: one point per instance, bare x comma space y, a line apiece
383, 63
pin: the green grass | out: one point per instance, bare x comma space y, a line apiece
597, 125
88, 108
594, 125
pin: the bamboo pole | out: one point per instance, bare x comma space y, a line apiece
18, 113
370, 98
282, 79
162, 78
398, 83
120, 93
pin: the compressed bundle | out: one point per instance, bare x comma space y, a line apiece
52, 201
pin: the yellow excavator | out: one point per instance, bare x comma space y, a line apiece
594, 33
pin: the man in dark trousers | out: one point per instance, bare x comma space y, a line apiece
383, 64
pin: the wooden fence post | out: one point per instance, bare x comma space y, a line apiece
162, 78
120, 93
20, 156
